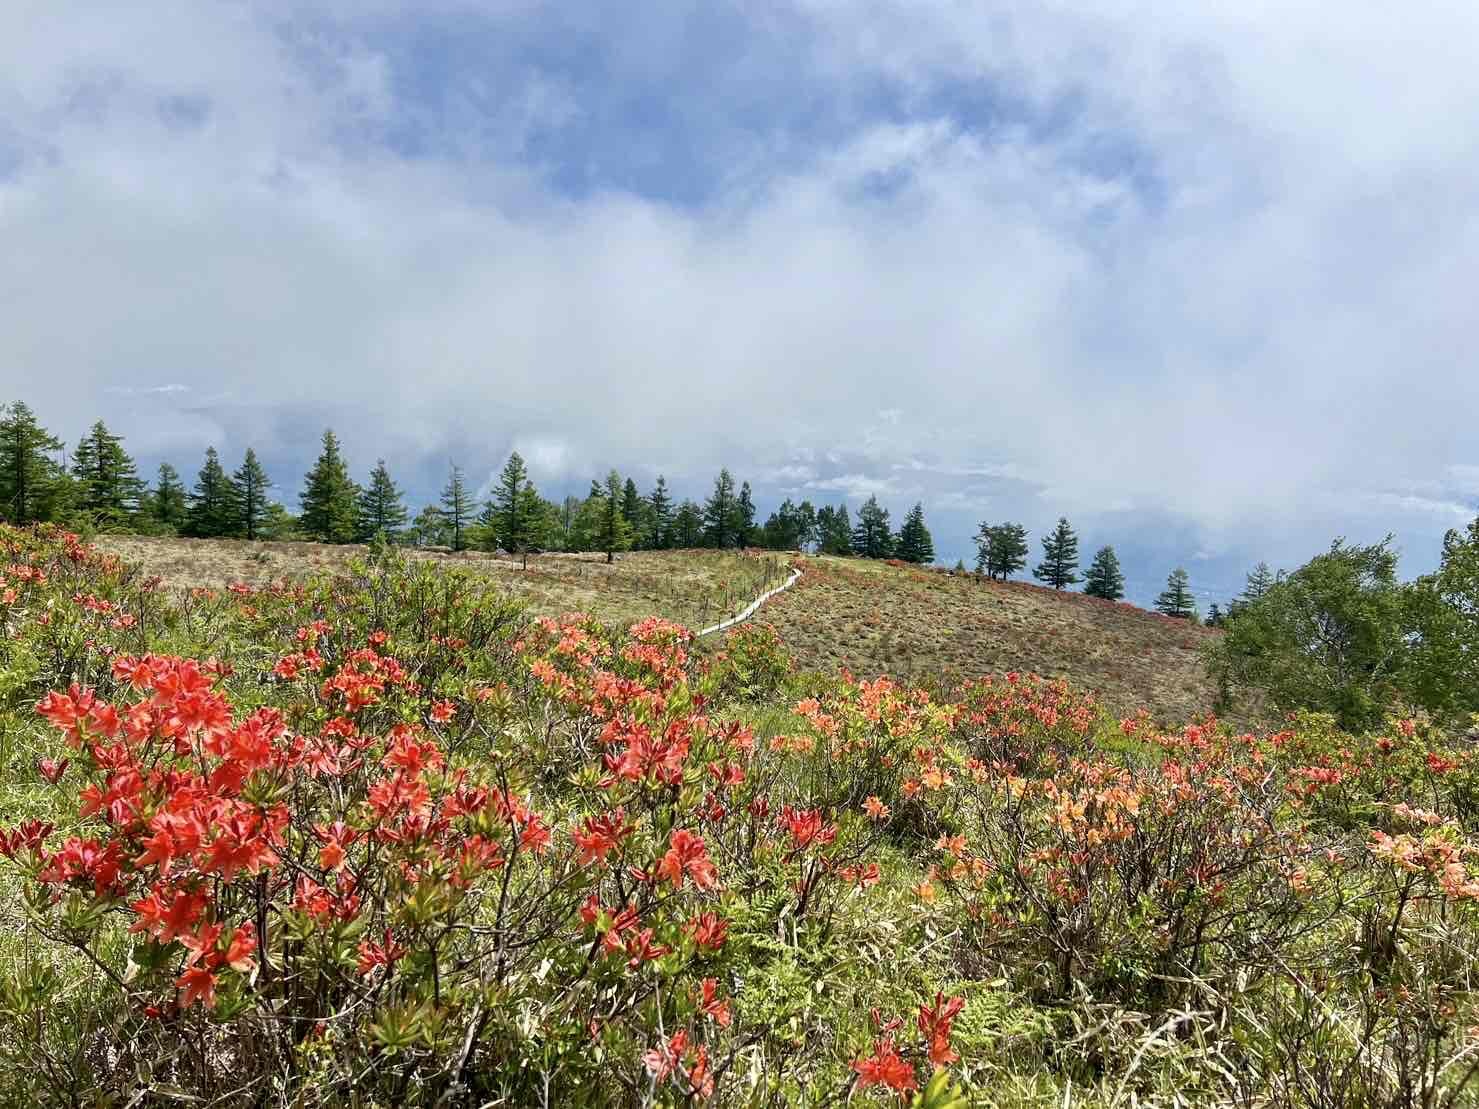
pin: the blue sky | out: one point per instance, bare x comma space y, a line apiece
1197, 276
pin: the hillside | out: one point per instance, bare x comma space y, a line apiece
876, 618
871, 617
695, 588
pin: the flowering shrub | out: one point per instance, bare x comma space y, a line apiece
383, 838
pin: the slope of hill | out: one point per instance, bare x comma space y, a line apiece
696, 588
876, 618
872, 617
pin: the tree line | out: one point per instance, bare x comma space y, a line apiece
101, 487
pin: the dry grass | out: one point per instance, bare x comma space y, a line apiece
877, 618
871, 617
696, 588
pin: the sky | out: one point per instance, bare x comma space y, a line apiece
1200, 277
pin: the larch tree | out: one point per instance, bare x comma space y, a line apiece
330, 500
380, 510
31, 481
1104, 578
507, 508
1059, 565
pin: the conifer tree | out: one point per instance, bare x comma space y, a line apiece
329, 501
167, 501
634, 508
744, 518
1260, 580
719, 512
914, 542
429, 529
456, 508
834, 530
616, 532
659, 515
107, 483
871, 537
1001, 549
506, 514
688, 526
31, 481
1104, 578
1175, 599
210, 509
249, 487
380, 510
1059, 564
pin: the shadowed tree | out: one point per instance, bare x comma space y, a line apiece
744, 518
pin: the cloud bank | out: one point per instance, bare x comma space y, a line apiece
1198, 276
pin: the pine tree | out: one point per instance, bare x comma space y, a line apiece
249, 487
1215, 618
209, 513
719, 512
167, 501
108, 484
1001, 549
1260, 580
456, 508
914, 542
659, 515
871, 537
616, 532
31, 482
1104, 578
380, 510
688, 526
1175, 599
329, 501
744, 518
1060, 556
